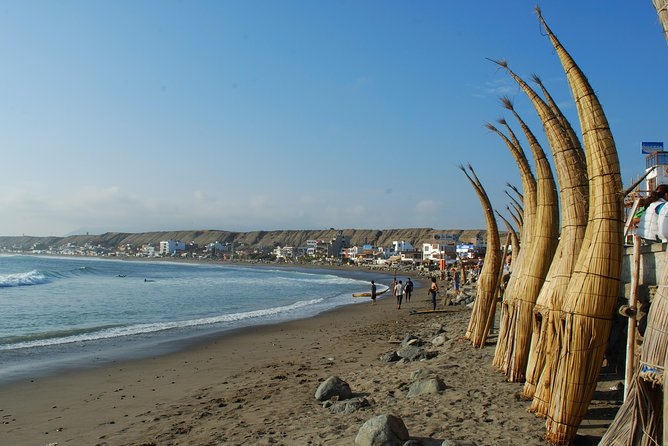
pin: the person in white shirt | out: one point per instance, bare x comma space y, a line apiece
399, 291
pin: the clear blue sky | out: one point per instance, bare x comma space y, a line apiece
246, 115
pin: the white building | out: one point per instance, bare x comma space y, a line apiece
148, 250
657, 163
399, 246
286, 252
217, 247
171, 247
434, 250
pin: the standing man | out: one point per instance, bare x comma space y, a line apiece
408, 289
457, 279
433, 290
373, 293
399, 291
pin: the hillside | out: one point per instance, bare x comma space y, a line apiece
255, 239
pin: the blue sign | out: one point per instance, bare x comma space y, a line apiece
651, 147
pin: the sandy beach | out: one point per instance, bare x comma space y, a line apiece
256, 386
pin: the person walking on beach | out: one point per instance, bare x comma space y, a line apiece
373, 293
408, 289
456, 279
399, 291
433, 290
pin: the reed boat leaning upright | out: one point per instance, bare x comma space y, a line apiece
591, 295
488, 281
570, 168
545, 241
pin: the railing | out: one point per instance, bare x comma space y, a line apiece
656, 159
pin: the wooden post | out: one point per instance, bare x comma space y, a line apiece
633, 303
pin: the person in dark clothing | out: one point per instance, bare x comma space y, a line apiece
408, 289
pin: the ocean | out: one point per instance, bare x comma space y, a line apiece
60, 313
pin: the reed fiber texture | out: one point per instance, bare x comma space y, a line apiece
570, 167
648, 413
662, 11
571, 171
639, 421
545, 240
529, 189
591, 295
488, 280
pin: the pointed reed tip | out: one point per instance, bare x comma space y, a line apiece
500, 62
536, 79
489, 126
502, 121
506, 102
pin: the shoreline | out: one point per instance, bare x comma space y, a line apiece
257, 385
47, 361
33, 404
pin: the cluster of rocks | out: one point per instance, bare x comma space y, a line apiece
389, 429
337, 396
463, 299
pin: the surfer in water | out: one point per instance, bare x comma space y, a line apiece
433, 290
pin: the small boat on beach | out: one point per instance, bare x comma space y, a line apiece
368, 293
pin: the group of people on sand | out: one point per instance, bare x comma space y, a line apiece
400, 289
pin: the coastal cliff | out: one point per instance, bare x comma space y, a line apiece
254, 239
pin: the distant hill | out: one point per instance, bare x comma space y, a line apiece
254, 239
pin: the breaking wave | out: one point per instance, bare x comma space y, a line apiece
23, 279
114, 331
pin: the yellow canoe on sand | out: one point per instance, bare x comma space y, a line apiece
368, 294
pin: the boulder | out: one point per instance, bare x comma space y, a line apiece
411, 340
410, 352
389, 357
349, 406
426, 386
333, 387
420, 374
383, 430
413, 353
439, 340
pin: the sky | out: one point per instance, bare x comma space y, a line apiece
136, 116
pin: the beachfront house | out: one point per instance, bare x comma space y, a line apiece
466, 251
171, 247
337, 245
284, 253
413, 256
399, 246
147, 251
216, 248
441, 246
365, 254
478, 241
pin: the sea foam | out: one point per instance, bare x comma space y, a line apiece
23, 279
